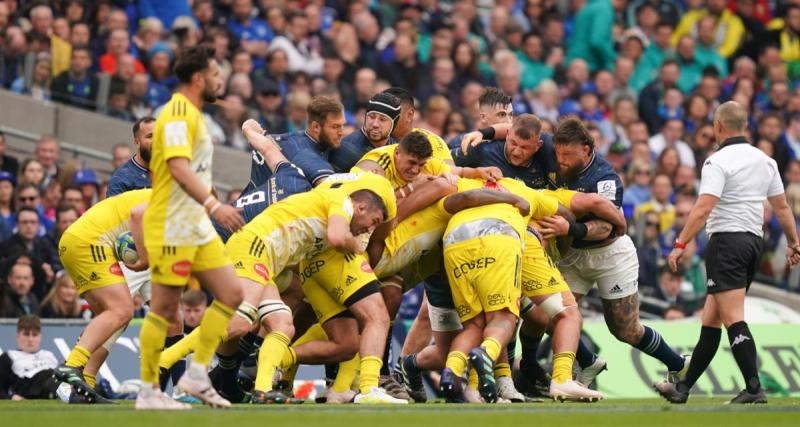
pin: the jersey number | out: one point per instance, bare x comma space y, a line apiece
251, 199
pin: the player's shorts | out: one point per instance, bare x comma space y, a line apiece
250, 260
732, 260
90, 265
333, 281
172, 265
484, 274
615, 269
539, 274
138, 282
429, 264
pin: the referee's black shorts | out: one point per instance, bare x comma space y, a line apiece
731, 260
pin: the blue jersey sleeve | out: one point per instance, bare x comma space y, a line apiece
314, 167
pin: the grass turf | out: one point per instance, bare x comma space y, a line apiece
617, 413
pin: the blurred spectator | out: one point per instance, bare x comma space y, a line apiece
648, 250
149, 33
534, 68
76, 86
166, 12
791, 136
729, 28
62, 302
193, 306
7, 163
231, 118
118, 104
669, 291
140, 104
270, 115
39, 86
296, 113
658, 203
455, 124
27, 241
653, 93
670, 136
591, 38
295, 42
546, 100
32, 172
65, 215
118, 45
405, 70
252, 32
436, 111
51, 197
162, 81
120, 154
637, 186
7, 182
27, 371
86, 180
29, 196
19, 300
73, 196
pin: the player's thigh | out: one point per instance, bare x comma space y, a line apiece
458, 259
539, 274
324, 305
115, 297
90, 266
347, 278
497, 274
570, 268
616, 269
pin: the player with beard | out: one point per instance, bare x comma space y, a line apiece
322, 135
612, 263
383, 111
135, 173
179, 237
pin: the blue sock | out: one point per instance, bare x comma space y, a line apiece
584, 356
653, 345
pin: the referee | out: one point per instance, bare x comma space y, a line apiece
735, 181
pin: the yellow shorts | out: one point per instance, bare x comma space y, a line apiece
172, 265
484, 275
91, 266
331, 278
250, 260
540, 276
418, 271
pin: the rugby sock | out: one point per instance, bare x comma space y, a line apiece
248, 345
457, 362
502, 370
370, 373
90, 379
78, 357
289, 358
655, 346
387, 352
584, 356
492, 347
177, 370
347, 374
743, 347
213, 330
472, 379
528, 363
562, 366
331, 370
228, 371
511, 349
276, 344
179, 350
151, 338
702, 355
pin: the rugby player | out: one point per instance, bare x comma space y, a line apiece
380, 119
179, 237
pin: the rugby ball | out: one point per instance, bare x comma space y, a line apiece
126, 248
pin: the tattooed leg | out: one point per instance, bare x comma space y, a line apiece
622, 319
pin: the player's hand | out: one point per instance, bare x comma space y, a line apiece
522, 205
793, 255
141, 264
48, 272
674, 257
554, 226
472, 139
229, 217
256, 136
491, 173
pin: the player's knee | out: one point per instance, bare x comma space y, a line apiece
629, 334
120, 317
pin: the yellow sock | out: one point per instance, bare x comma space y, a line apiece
347, 374
314, 333
502, 370
562, 366
90, 379
370, 373
492, 347
151, 342
213, 330
457, 362
174, 353
78, 357
275, 345
472, 379
289, 358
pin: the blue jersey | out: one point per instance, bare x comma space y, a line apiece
598, 177
129, 176
353, 148
256, 30
310, 156
493, 153
286, 181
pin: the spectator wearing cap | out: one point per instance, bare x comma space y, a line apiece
86, 180
76, 86
268, 100
8, 164
295, 42
617, 156
728, 33
591, 38
7, 182
253, 33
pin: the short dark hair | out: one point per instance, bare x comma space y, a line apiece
26, 185
29, 323
140, 122
493, 96
27, 209
526, 126
193, 298
320, 107
572, 131
192, 60
81, 48
64, 208
404, 95
372, 200
417, 144
670, 61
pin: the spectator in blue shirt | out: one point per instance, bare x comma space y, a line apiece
253, 33
76, 86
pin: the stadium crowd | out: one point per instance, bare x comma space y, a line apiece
646, 75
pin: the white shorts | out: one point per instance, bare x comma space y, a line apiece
444, 319
615, 269
138, 282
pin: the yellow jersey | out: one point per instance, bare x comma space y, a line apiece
173, 217
104, 222
352, 182
296, 228
440, 149
541, 205
384, 156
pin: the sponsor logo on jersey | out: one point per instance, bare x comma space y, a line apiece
496, 299
115, 269
475, 264
311, 269
62, 250
81, 281
337, 292
182, 268
711, 283
94, 276
349, 280
239, 266
261, 270
615, 290
463, 310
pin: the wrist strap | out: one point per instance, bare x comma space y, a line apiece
679, 245
487, 133
208, 200
214, 208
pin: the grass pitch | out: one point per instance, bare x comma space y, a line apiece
616, 412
